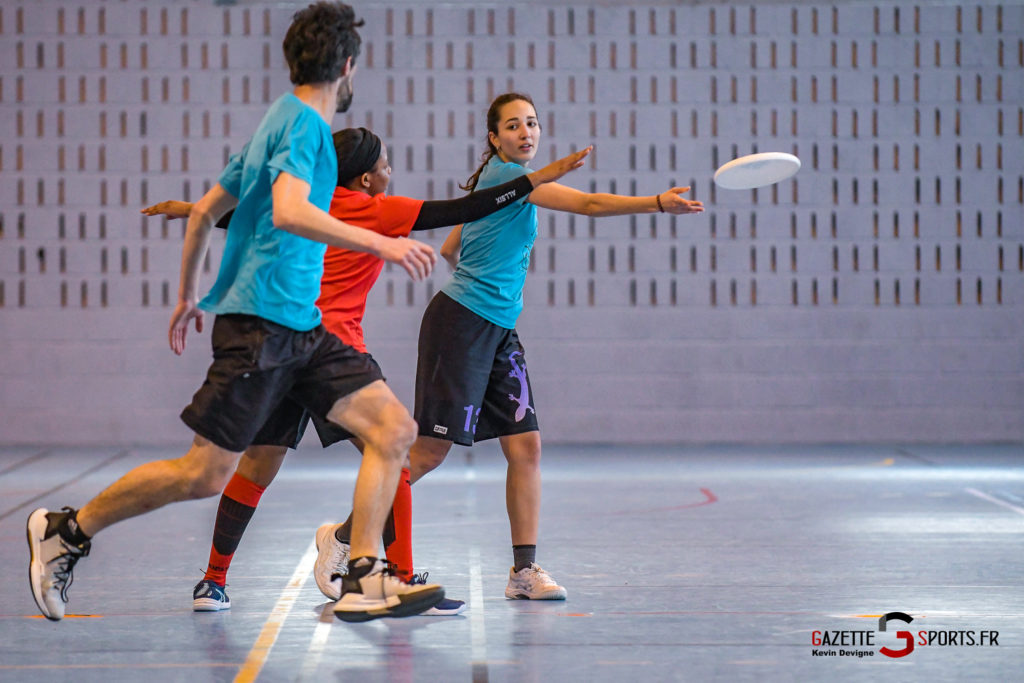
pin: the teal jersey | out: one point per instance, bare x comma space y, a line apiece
266, 271
495, 253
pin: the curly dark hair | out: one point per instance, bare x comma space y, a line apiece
318, 42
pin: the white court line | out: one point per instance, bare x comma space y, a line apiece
317, 646
477, 627
984, 496
268, 636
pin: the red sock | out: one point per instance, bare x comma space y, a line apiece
399, 550
237, 505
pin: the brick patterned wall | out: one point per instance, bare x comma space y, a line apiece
876, 296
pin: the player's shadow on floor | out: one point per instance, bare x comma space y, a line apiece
390, 639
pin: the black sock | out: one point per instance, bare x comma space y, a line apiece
344, 532
523, 556
388, 536
67, 527
359, 567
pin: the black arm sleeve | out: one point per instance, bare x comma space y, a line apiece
224, 220
473, 206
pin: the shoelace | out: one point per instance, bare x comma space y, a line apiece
541, 575
65, 563
390, 573
338, 560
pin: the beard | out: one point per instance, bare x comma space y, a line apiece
344, 97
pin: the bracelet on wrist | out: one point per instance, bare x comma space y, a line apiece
661, 209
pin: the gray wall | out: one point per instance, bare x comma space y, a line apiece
877, 296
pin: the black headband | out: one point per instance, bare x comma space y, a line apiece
358, 151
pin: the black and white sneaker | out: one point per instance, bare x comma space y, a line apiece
51, 562
370, 590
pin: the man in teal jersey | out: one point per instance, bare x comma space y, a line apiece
267, 339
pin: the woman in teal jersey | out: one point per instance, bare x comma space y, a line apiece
471, 379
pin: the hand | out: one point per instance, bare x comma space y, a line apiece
417, 258
171, 208
183, 312
557, 169
673, 202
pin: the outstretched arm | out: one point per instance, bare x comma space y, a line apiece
201, 217
481, 203
294, 212
562, 198
174, 208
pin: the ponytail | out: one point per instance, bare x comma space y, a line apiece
470, 185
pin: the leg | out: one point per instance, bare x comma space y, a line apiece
254, 473
522, 498
397, 544
57, 540
260, 464
426, 454
200, 473
384, 426
522, 485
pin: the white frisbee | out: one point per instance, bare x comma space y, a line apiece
756, 170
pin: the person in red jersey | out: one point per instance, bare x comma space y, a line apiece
360, 199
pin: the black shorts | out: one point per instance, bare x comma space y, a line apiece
288, 424
263, 372
471, 379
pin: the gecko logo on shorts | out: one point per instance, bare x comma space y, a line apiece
523, 399
440, 429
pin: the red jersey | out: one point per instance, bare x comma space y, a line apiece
349, 275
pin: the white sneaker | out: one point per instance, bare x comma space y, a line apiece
51, 561
532, 583
379, 593
331, 561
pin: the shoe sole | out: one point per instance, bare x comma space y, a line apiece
413, 604
436, 612
332, 592
208, 605
35, 567
549, 595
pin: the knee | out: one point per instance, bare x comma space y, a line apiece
206, 483
405, 434
427, 454
393, 437
525, 457
203, 477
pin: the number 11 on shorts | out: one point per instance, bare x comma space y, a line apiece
471, 418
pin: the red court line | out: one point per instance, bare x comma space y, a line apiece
709, 498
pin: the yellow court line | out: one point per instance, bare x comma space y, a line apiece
268, 636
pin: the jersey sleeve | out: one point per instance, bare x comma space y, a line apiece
295, 153
398, 215
231, 177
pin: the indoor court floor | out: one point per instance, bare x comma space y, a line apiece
693, 563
